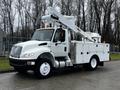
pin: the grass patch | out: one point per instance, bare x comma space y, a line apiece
4, 64
115, 56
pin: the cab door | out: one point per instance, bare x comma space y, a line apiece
58, 44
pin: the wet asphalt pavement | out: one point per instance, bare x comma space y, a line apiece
104, 78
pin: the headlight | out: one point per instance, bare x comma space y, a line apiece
28, 55
16, 51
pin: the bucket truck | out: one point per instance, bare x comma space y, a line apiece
59, 44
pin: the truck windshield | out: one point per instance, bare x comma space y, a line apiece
43, 35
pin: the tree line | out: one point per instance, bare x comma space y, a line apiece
19, 18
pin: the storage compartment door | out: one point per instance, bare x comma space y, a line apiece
79, 53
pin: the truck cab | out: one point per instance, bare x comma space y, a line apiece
57, 40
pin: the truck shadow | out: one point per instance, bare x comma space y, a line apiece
78, 70
65, 72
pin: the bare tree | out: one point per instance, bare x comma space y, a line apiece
98, 12
8, 16
106, 29
66, 7
78, 2
39, 9
83, 16
51, 2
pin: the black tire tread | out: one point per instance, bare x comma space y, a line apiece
36, 70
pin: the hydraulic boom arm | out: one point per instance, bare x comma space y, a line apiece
70, 24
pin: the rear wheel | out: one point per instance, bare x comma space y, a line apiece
92, 65
43, 69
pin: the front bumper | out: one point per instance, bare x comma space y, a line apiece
26, 64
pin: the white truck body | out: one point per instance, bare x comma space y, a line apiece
46, 50
84, 52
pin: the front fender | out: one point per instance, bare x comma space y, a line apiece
48, 56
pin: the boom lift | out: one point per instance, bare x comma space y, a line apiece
70, 23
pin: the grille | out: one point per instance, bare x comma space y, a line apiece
16, 51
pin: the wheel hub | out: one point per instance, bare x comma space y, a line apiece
45, 68
93, 63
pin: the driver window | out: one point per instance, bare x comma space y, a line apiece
59, 35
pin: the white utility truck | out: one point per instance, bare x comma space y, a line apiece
60, 45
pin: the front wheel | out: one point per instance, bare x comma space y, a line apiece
43, 69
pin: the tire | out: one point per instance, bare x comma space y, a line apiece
20, 70
43, 69
92, 65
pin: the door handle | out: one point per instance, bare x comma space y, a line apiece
65, 49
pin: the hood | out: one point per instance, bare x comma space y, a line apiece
28, 45
31, 46
32, 43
